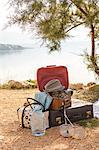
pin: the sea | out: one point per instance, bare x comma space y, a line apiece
22, 65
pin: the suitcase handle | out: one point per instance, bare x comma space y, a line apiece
51, 66
34, 101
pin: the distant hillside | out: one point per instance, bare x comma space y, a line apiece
11, 47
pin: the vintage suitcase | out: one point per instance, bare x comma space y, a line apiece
80, 113
45, 74
56, 117
58, 103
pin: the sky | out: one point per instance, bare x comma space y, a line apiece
14, 35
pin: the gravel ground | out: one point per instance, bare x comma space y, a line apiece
12, 137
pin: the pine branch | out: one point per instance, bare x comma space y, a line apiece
75, 26
81, 9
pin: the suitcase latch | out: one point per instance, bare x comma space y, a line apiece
58, 120
88, 113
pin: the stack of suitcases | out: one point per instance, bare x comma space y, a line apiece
46, 74
56, 109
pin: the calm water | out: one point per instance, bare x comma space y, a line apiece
22, 65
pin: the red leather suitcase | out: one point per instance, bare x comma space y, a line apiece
45, 74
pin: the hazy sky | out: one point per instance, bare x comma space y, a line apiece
12, 34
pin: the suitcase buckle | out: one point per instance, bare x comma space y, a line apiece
58, 120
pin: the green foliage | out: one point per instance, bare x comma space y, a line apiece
90, 123
88, 11
92, 62
53, 21
32, 82
52, 27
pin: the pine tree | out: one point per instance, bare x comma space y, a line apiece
54, 19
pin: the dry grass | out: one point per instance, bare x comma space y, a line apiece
90, 96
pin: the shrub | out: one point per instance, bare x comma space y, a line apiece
77, 86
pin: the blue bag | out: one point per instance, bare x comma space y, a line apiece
44, 99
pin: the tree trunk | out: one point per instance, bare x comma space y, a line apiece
96, 67
92, 41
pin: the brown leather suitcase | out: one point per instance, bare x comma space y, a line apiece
59, 103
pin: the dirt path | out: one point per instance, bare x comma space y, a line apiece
12, 137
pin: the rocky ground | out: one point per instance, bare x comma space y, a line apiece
12, 137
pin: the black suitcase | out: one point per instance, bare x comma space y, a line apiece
80, 113
56, 117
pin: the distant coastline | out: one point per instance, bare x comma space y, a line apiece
11, 47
